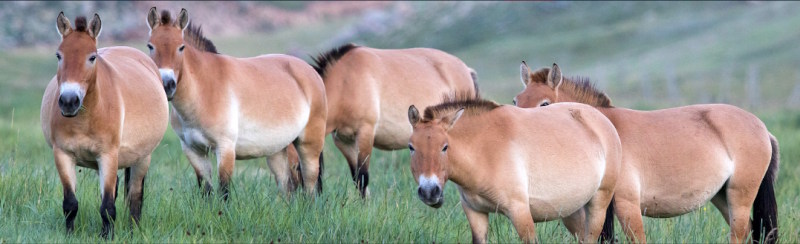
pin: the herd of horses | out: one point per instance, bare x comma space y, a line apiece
562, 152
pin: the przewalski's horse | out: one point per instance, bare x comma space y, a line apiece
241, 108
105, 109
677, 159
370, 89
531, 165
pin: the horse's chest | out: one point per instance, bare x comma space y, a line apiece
81, 148
479, 203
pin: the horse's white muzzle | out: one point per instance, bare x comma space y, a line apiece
169, 82
70, 98
430, 192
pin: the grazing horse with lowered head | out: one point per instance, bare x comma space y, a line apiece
370, 89
532, 165
677, 159
239, 108
105, 109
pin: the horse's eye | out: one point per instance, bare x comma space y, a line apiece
544, 104
410, 147
514, 102
180, 49
58, 56
149, 46
92, 58
444, 149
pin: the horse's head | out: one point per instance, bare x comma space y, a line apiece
541, 86
429, 159
166, 46
77, 56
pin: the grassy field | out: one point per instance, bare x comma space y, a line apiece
174, 210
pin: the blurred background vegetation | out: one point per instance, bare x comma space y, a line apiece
645, 55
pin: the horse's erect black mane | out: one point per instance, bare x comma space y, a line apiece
323, 60
192, 35
471, 103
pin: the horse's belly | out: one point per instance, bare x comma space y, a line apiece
544, 208
678, 203
256, 141
392, 135
559, 189
668, 198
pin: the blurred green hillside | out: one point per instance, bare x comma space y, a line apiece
643, 54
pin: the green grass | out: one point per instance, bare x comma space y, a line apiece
175, 211
30, 194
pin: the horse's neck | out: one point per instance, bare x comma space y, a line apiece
565, 96
103, 89
613, 114
194, 82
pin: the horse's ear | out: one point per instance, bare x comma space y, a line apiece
152, 18
413, 115
524, 74
62, 25
183, 19
95, 26
451, 120
554, 77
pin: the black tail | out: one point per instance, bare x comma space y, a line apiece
319, 177
607, 234
765, 209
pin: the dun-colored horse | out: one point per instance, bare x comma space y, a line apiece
240, 108
677, 159
370, 89
531, 165
105, 109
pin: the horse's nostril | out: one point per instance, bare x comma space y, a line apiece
436, 191
68, 100
420, 192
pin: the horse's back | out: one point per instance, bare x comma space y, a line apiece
382, 83
560, 143
278, 73
578, 127
697, 148
417, 66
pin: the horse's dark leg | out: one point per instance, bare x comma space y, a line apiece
349, 149
116, 189
202, 167
70, 207
364, 139
108, 179
66, 172
136, 188
226, 158
127, 182
283, 170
